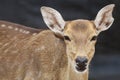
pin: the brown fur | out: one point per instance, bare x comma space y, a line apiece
34, 57
28, 57
44, 56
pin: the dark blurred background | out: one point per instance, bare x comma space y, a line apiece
106, 63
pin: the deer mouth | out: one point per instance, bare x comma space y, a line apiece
81, 67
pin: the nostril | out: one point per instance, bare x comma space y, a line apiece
81, 60
85, 60
77, 60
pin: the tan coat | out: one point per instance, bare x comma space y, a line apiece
30, 57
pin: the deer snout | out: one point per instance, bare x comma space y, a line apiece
81, 60
81, 63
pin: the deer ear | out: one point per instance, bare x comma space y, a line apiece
53, 20
104, 18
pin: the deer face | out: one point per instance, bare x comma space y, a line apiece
80, 38
79, 35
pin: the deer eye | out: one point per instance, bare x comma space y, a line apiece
94, 38
67, 38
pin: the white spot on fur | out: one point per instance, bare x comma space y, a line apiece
3, 25
34, 34
24, 31
21, 30
27, 32
40, 48
43, 47
10, 27
16, 29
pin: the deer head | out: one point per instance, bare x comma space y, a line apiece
79, 35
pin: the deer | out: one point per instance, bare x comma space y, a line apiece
62, 53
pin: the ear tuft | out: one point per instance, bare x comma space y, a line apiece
104, 18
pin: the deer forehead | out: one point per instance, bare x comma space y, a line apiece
80, 29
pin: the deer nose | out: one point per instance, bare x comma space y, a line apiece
81, 63
81, 60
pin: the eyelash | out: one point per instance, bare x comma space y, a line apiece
94, 38
67, 38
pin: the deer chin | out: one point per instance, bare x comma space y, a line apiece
80, 69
